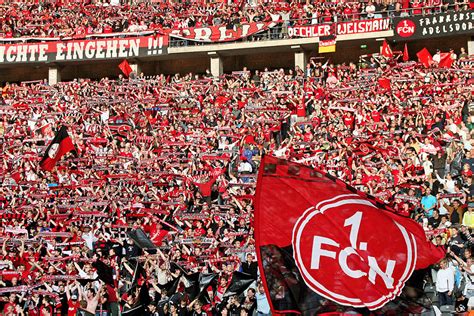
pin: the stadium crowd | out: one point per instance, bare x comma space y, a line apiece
153, 211
77, 19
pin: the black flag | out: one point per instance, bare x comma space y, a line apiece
104, 272
240, 282
59, 146
199, 284
142, 240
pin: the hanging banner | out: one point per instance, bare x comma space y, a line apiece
100, 49
327, 44
437, 25
216, 34
343, 28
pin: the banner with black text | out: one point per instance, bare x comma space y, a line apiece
342, 28
80, 50
436, 25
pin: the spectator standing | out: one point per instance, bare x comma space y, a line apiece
468, 218
370, 10
428, 203
250, 266
445, 284
263, 308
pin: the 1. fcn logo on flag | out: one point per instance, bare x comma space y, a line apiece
345, 263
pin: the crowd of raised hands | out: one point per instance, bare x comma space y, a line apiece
174, 159
77, 19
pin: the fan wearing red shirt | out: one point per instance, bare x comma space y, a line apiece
466, 171
409, 168
73, 300
46, 310
349, 120
199, 230
107, 29
376, 116
347, 13
416, 7
29, 257
206, 187
158, 233
301, 108
220, 290
10, 306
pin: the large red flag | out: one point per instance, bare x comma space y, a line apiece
406, 57
425, 57
386, 50
445, 61
319, 239
59, 146
125, 67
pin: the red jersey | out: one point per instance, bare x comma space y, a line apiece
72, 307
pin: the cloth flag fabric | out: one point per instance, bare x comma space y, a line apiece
406, 57
327, 44
364, 148
321, 241
142, 240
141, 306
198, 284
171, 286
104, 272
125, 67
446, 60
386, 50
59, 146
425, 57
240, 282
385, 83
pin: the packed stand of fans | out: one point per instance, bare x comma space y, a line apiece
171, 161
64, 19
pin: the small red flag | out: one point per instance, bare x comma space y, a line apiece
386, 50
385, 83
406, 57
445, 61
425, 57
59, 146
125, 67
16, 176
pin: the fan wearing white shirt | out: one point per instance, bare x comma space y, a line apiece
448, 182
445, 283
370, 10
437, 56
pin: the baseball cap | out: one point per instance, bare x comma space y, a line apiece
74, 297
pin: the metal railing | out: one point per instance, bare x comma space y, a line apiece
280, 31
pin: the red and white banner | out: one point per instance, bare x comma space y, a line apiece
61, 51
14, 289
215, 34
323, 237
342, 28
16, 231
